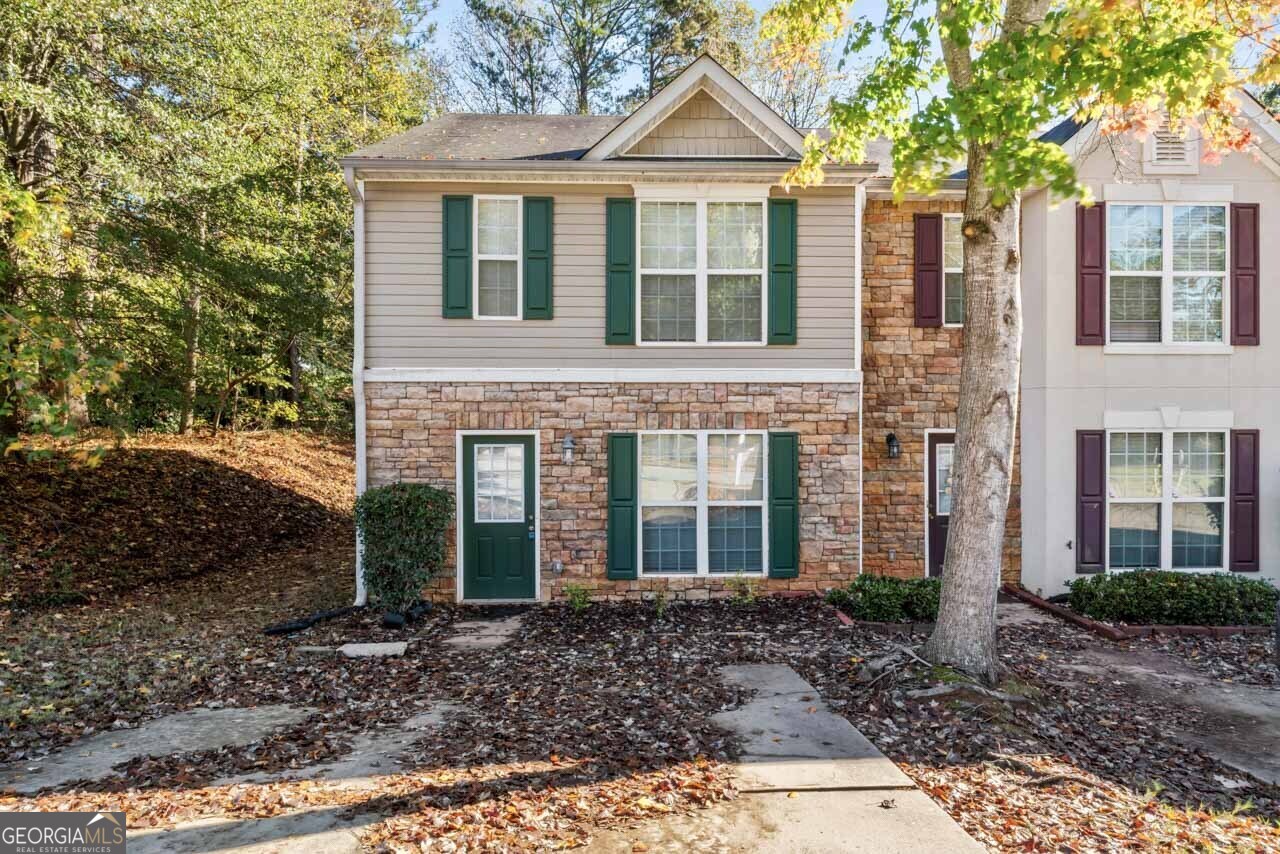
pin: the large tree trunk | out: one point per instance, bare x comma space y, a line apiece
965, 634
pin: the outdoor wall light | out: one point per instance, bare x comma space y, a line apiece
895, 447
566, 448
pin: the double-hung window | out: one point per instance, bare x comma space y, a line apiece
952, 271
1167, 273
702, 276
702, 503
1167, 499
497, 274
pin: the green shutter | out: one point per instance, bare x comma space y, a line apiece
456, 299
784, 505
538, 232
620, 272
782, 271
622, 505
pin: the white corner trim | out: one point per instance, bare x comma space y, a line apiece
676, 92
613, 375
1169, 190
356, 188
1168, 418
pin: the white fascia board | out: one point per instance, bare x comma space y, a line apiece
673, 376
677, 92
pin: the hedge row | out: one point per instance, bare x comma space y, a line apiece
1158, 597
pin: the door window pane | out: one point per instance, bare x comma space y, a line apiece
735, 467
1133, 469
1134, 536
499, 483
735, 537
498, 289
669, 467
1197, 309
1197, 535
735, 235
953, 298
1199, 465
945, 460
733, 308
667, 308
498, 223
1135, 309
1199, 238
1135, 236
669, 538
668, 235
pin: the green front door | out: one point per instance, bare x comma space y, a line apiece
499, 517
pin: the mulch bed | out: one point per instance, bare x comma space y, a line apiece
160, 508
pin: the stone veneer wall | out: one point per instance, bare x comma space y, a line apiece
911, 382
411, 436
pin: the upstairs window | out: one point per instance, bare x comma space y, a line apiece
497, 275
1167, 266
952, 271
702, 272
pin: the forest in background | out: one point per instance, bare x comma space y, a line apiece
175, 236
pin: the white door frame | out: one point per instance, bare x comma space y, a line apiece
459, 515
928, 478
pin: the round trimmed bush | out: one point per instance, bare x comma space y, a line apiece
403, 528
883, 599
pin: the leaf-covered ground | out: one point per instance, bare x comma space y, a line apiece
161, 508
587, 721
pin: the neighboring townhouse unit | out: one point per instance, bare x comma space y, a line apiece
642, 364
1150, 391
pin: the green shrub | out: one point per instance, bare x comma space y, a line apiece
881, 599
1156, 597
402, 534
579, 597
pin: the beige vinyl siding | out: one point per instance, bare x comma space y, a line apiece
701, 127
404, 329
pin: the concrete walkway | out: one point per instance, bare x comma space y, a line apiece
810, 781
483, 634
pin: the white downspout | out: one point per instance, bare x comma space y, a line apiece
356, 189
860, 201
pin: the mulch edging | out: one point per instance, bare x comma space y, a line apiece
1119, 633
907, 628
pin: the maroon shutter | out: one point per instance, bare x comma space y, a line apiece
1245, 329
1091, 500
1091, 274
928, 261
1244, 501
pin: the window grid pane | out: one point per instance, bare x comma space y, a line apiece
1197, 535
952, 244
735, 467
1199, 465
668, 235
1197, 309
498, 289
735, 537
1134, 465
733, 308
668, 308
1134, 536
942, 477
1135, 235
499, 483
1200, 238
669, 467
498, 226
735, 235
670, 540
953, 298
1135, 309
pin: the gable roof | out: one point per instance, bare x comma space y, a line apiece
703, 75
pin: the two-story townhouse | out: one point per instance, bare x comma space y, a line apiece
1151, 362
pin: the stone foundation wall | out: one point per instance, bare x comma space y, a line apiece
411, 436
911, 383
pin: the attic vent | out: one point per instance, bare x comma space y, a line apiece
1171, 152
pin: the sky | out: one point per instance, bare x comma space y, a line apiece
450, 10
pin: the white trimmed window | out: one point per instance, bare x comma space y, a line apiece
952, 271
1167, 274
497, 274
702, 272
702, 503
1167, 499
